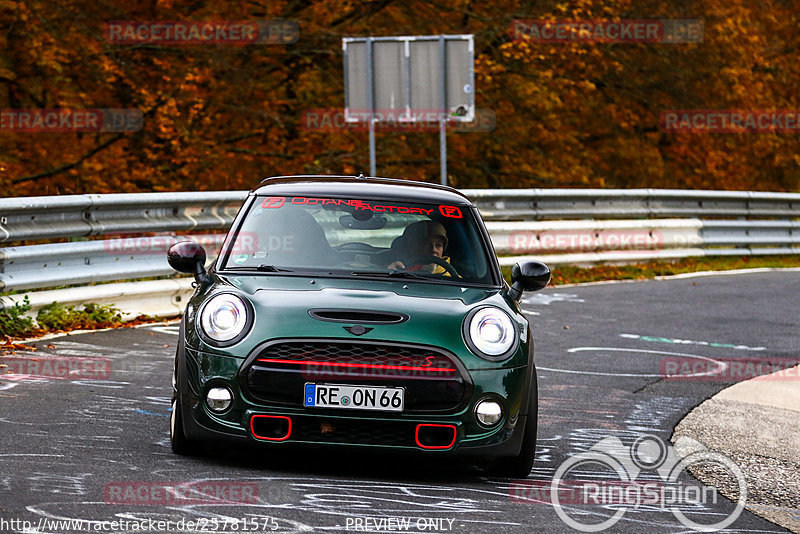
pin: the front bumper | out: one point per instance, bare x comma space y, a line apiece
253, 420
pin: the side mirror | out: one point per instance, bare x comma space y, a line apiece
190, 258
528, 276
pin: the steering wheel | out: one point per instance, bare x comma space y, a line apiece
425, 260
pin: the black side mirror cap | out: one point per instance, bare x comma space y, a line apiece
190, 258
528, 276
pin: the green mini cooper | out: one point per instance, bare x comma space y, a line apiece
357, 312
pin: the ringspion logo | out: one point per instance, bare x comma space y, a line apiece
591, 491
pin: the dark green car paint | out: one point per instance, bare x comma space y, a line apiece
436, 312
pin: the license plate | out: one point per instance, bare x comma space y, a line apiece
381, 399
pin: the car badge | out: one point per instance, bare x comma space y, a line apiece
357, 330
326, 428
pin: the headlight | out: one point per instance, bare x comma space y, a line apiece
224, 318
491, 332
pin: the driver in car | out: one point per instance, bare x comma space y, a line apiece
421, 239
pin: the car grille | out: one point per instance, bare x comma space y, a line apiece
353, 431
432, 379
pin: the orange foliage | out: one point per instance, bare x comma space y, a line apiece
568, 114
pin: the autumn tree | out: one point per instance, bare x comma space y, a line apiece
568, 114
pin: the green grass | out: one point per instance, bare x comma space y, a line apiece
55, 317
14, 322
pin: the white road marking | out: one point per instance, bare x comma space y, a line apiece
721, 366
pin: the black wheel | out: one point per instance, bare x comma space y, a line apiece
177, 438
425, 260
520, 466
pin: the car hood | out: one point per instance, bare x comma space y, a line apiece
353, 287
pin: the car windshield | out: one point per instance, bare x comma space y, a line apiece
361, 237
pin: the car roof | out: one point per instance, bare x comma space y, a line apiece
372, 187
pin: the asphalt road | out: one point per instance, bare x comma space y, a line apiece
97, 449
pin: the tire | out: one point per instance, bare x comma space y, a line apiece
177, 438
520, 466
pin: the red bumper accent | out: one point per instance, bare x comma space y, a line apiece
437, 441
272, 438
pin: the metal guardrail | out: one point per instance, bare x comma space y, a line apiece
57, 264
28, 218
544, 204
593, 241
556, 225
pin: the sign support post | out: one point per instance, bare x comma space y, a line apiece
443, 114
371, 104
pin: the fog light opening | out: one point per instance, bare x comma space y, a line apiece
435, 437
271, 427
488, 412
219, 399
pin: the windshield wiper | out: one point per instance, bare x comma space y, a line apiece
272, 269
261, 268
391, 274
